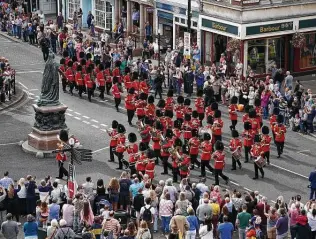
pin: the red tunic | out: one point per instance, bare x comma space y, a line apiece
129, 102
177, 133
100, 79
194, 144
150, 169
248, 138
217, 126
140, 106
88, 82
169, 103
259, 113
120, 148
187, 128
279, 130
187, 110
127, 82
143, 87
156, 140
146, 133
232, 109
150, 110
245, 118
112, 134
116, 72
184, 166
132, 150
179, 111
272, 121
206, 147
165, 147
79, 79
234, 144
70, 75
141, 165
265, 142
209, 111
116, 92
199, 105
219, 159
255, 124
107, 72
195, 123
256, 150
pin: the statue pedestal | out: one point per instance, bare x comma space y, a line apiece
49, 120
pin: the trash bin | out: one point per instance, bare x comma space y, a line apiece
122, 217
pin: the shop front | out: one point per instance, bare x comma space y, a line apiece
103, 14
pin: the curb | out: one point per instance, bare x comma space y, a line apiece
5, 34
19, 97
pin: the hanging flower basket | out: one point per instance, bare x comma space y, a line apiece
233, 44
298, 40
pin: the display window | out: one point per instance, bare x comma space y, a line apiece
308, 53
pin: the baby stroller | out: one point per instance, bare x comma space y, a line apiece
101, 204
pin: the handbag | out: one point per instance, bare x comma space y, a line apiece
63, 196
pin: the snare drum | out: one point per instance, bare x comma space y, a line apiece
260, 161
237, 154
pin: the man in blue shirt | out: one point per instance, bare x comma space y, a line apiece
225, 229
54, 209
133, 189
312, 179
148, 31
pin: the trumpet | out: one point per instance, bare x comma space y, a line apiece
173, 151
280, 132
140, 125
163, 139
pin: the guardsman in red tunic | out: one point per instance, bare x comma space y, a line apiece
140, 106
206, 151
150, 165
166, 144
108, 80
210, 110
66, 56
80, 80
176, 157
62, 71
248, 139
116, 92
89, 59
219, 162
130, 105
70, 75
142, 160
245, 117
132, 150
199, 105
279, 130
176, 129
113, 141
194, 145
150, 108
187, 108
273, 120
168, 117
258, 110
83, 65
265, 143
156, 133
127, 79
256, 152
161, 105
61, 156
116, 71
89, 82
217, 126
187, 128
101, 81
179, 109
120, 148
184, 165
235, 146
145, 131
232, 110
143, 87
255, 124
195, 122
169, 101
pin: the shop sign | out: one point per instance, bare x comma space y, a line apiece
165, 15
150, 9
170, 8
220, 26
270, 28
186, 43
246, 2
308, 23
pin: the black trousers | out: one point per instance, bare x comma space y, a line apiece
234, 123
219, 172
45, 54
175, 173
157, 155
71, 87
166, 164
247, 153
112, 152
266, 155
194, 160
205, 164
102, 89
130, 116
158, 91
201, 117
117, 103
108, 87
80, 90
235, 162
90, 93
217, 137
133, 170
280, 146
64, 84
258, 169
120, 159
61, 170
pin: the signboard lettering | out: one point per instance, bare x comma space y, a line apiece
220, 26
269, 28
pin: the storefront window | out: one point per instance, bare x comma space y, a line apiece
257, 55
220, 43
73, 5
108, 9
208, 48
308, 53
100, 13
275, 53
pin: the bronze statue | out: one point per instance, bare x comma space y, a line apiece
50, 83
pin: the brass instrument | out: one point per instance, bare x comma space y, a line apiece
140, 125
163, 139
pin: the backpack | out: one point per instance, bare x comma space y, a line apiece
259, 234
65, 234
147, 215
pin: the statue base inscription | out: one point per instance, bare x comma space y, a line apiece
49, 120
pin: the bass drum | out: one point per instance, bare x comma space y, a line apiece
260, 161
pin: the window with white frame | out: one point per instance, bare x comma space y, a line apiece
109, 22
100, 13
73, 5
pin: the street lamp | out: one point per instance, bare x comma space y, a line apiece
159, 47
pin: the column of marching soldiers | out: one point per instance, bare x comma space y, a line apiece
179, 143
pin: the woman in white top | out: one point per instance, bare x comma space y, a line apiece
312, 222
56, 193
206, 231
22, 196
52, 229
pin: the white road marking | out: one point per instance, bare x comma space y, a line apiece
31, 94
70, 110
30, 64
234, 183
31, 98
69, 114
248, 189
104, 125
95, 121
95, 126
98, 150
86, 117
25, 72
23, 85
77, 118
86, 122
33, 89
9, 144
104, 130
302, 152
298, 174
37, 96
77, 113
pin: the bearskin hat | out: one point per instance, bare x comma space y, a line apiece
148, 121
185, 149
235, 133
92, 66
70, 64
158, 113
150, 154
265, 129
114, 124
63, 135
177, 124
142, 147
62, 61
81, 54
180, 99
177, 142
158, 125
101, 67
115, 80
170, 93
257, 138
234, 100
195, 133
169, 133
151, 99
135, 75
195, 114
65, 54
217, 114
89, 56
118, 63
252, 113
187, 117
276, 111
74, 59
127, 70
206, 136
214, 106
83, 62
280, 119
219, 145
247, 108
161, 103
132, 138
210, 119
121, 129
131, 91
257, 102
187, 101
247, 125
199, 93
89, 69
169, 113
97, 62
142, 96
79, 68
